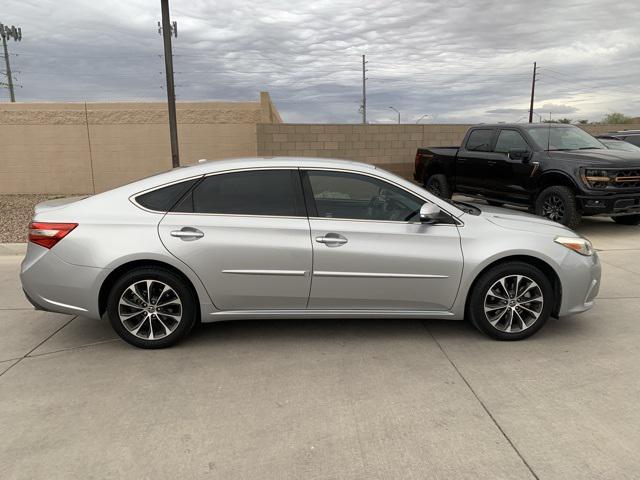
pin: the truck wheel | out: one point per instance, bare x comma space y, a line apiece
438, 185
558, 203
627, 219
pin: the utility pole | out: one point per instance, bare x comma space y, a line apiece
166, 29
16, 34
533, 92
364, 91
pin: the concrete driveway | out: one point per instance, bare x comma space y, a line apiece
352, 399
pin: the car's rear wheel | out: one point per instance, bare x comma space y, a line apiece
151, 307
438, 185
558, 203
511, 301
627, 219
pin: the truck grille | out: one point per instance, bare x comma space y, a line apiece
626, 178
612, 179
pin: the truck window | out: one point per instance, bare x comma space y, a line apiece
480, 140
510, 140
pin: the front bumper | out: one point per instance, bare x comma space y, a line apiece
611, 204
580, 279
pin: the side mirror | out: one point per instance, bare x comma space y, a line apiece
520, 154
429, 213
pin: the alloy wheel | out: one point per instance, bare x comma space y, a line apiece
513, 303
150, 309
553, 208
434, 187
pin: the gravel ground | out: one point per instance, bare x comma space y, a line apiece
15, 214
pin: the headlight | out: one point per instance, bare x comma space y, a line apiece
577, 244
596, 178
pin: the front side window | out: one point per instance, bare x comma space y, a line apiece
633, 139
353, 196
256, 192
510, 140
480, 140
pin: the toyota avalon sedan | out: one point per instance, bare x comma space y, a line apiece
292, 238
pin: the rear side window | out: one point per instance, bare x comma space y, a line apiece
480, 140
510, 140
257, 192
163, 199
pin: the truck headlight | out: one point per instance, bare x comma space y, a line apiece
596, 178
577, 244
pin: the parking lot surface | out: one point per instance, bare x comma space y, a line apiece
328, 399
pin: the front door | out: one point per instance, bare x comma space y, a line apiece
512, 175
371, 252
246, 235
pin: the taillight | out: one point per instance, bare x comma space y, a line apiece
417, 161
48, 234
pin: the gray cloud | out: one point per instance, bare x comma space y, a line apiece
458, 61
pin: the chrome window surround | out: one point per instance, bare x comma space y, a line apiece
132, 198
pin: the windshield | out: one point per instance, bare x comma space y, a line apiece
563, 138
619, 145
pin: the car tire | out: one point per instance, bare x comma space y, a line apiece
438, 185
158, 320
627, 219
558, 203
522, 315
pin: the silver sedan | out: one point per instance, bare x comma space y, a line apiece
291, 238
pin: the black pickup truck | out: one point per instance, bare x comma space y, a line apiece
557, 171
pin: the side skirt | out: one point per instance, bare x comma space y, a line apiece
275, 314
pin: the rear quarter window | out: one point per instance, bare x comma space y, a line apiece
163, 199
480, 140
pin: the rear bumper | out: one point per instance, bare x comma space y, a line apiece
53, 285
614, 204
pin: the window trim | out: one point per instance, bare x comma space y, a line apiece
306, 185
495, 144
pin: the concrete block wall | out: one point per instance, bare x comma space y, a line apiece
392, 147
63, 148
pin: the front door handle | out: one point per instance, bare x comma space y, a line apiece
332, 240
187, 233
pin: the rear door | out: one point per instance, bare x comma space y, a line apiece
246, 235
474, 162
370, 251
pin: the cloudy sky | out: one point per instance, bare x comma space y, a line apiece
456, 60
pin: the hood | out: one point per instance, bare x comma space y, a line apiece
57, 203
599, 158
517, 220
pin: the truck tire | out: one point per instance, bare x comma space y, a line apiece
627, 219
438, 185
558, 203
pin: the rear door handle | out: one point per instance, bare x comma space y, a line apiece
332, 240
187, 233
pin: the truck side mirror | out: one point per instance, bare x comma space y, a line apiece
429, 213
520, 154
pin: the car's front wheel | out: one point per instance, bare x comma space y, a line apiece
511, 301
627, 219
151, 307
